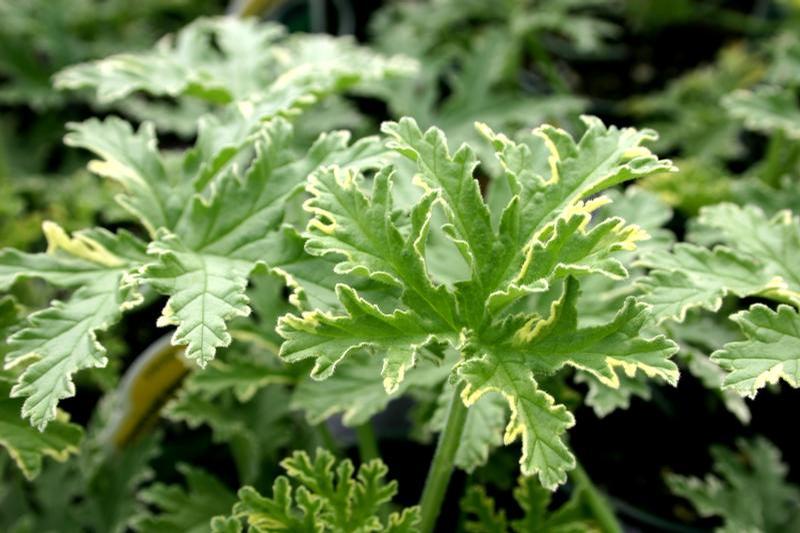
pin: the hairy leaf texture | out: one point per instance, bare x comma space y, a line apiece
542, 237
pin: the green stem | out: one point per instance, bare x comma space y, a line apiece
774, 159
367, 443
600, 507
442, 465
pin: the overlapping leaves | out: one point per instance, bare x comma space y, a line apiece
541, 237
210, 225
227, 59
754, 256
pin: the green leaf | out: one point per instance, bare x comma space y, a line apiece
204, 266
543, 234
748, 490
211, 58
766, 109
567, 248
522, 349
757, 259
362, 230
773, 241
329, 339
328, 497
356, 389
207, 292
535, 503
770, 353
71, 261
229, 59
152, 194
184, 510
60, 340
450, 177
26, 445
254, 430
691, 276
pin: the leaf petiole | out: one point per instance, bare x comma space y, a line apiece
442, 465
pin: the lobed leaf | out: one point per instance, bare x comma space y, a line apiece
770, 353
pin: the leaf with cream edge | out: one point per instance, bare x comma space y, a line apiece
206, 244
770, 353
772, 241
27, 446
204, 266
60, 340
508, 361
543, 234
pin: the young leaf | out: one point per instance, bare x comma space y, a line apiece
534, 501
328, 497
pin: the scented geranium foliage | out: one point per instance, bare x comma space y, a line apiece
738, 251
205, 237
320, 494
543, 238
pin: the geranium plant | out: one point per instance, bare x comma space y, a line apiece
266, 285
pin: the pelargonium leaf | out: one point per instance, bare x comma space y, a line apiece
691, 276
766, 109
28, 446
509, 360
180, 509
60, 340
770, 353
330, 496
